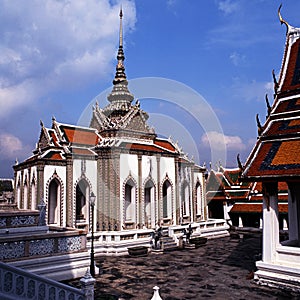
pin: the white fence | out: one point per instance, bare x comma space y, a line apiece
16, 284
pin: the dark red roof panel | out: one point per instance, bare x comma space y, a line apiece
292, 76
289, 105
284, 127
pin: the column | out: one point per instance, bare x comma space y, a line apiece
294, 210
270, 221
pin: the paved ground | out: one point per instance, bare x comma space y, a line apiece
221, 269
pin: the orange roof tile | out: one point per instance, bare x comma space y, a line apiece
165, 144
80, 136
82, 151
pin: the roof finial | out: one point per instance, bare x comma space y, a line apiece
268, 105
121, 27
120, 69
259, 127
276, 85
282, 21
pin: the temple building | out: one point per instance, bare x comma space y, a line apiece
139, 179
240, 201
276, 158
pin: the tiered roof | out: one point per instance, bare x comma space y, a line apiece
276, 154
245, 196
223, 185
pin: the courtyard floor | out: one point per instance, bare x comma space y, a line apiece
221, 269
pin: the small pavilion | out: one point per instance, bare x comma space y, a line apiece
276, 158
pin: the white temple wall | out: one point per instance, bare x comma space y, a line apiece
26, 188
34, 201
58, 172
167, 168
149, 168
128, 169
149, 172
199, 195
89, 172
86, 170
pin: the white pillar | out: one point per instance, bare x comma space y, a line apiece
225, 210
293, 199
240, 222
270, 222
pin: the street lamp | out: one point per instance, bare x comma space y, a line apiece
92, 204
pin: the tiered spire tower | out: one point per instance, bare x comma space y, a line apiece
120, 98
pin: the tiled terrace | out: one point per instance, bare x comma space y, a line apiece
221, 269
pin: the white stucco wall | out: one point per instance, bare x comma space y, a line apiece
128, 167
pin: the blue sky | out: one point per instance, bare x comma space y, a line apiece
57, 56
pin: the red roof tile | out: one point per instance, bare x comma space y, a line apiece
255, 208
81, 136
82, 151
165, 144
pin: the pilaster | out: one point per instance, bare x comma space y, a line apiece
40, 183
159, 194
69, 192
140, 201
177, 207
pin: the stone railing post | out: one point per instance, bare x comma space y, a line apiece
156, 295
42, 216
87, 285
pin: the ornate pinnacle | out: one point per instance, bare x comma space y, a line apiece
120, 69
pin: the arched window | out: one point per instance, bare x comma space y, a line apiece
19, 194
149, 201
130, 201
167, 199
82, 194
25, 190
185, 199
53, 202
198, 199
33, 196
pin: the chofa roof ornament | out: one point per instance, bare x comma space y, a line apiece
282, 21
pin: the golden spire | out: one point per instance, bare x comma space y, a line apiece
121, 28
120, 69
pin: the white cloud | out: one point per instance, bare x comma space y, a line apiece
216, 140
228, 6
250, 91
50, 45
11, 146
237, 59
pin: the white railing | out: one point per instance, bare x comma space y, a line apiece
16, 283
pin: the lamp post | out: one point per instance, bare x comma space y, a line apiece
92, 204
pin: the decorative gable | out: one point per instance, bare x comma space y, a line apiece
137, 123
44, 140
